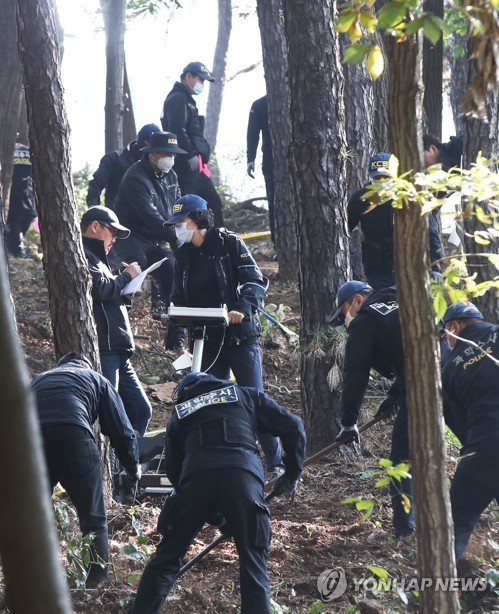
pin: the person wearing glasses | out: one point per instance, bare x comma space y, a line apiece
101, 228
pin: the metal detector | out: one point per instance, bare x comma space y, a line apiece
152, 449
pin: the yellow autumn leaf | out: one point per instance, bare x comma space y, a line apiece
354, 33
375, 62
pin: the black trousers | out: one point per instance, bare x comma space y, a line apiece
73, 460
474, 486
17, 226
402, 521
238, 495
147, 252
191, 182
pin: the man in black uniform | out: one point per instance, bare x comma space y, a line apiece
100, 228
376, 222
180, 116
70, 398
259, 122
375, 342
145, 199
22, 210
470, 384
212, 461
114, 165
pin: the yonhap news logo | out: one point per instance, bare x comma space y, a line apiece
333, 583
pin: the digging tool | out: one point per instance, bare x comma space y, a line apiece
309, 461
293, 337
221, 538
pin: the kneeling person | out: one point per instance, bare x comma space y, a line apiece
213, 463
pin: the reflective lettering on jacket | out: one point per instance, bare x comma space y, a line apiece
384, 308
220, 396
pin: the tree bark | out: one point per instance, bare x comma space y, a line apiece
482, 135
28, 541
129, 126
275, 62
435, 546
65, 266
317, 154
456, 56
114, 21
11, 88
432, 76
215, 95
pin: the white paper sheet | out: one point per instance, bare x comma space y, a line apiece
136, 283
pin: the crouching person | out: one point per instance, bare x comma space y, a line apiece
213, 463
70, 398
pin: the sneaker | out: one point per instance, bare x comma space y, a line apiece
274, 473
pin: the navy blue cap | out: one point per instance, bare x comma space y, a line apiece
198, 68
145, 134
346, 291
379, 166
185, 205
192, 378
460, 311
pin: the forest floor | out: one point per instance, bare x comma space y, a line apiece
315, 533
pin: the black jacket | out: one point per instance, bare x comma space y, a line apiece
180, 116
470, 384
259, 122
218, 431
108, 176
22, 195
239, 283
376, 222
110, 308
374, 342
145, 201
72, 394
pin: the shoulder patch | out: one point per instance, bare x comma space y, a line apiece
214, 397
384, 308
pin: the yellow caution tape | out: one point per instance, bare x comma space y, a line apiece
255, 235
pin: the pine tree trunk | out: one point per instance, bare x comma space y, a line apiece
216, 91
275, 62
432, 76
317, 154
65, 266
129, 126
435, 552
11, 88
114, 21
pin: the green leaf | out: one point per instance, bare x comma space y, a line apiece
382, 482
356, 53
431, 30
415, 25
481, 237
385, 462
349, 500
379, 571
368, 20
345, 21
439, 303
391, 15
365, 504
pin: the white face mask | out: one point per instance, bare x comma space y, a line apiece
198, 88
165, 163
183, 233
348, 318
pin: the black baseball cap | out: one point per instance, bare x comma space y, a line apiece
103, 214
346, 291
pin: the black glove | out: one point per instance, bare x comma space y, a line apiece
136, 475
284, 485
387, 409
348, 434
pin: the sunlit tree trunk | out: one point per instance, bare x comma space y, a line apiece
435, 543
275, 62
129, 126
114, 21
318, 157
